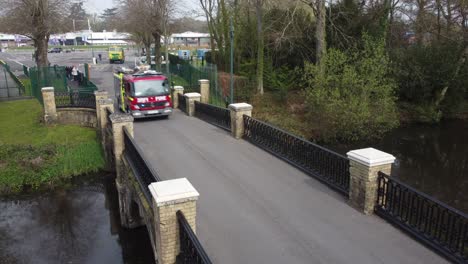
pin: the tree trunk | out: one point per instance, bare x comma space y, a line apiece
157, 49
212, 40
463, 57
260, 46
41, 43
225, 31
420, 17
320, 33
148, 52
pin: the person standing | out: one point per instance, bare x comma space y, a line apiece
74, 73
100, 57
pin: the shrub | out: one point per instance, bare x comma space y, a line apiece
351, 95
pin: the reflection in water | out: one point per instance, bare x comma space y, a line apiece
433, 159
81, 225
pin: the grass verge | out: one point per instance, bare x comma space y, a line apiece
33, 156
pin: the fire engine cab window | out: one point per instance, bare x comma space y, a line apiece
150, 88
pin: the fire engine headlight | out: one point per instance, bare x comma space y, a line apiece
167, 104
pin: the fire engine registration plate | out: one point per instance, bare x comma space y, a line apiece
153, 112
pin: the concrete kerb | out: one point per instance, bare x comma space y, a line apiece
190, 102
364, 167
237, 118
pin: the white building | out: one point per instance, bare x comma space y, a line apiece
89, 37
191, 39
9, 40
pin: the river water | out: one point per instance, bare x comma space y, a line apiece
79, 224
433, 159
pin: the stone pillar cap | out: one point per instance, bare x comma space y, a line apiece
100, 92
173, 191
240, 107
371, 157
47, 89
192, 95
178, 87
203, 81
120, 118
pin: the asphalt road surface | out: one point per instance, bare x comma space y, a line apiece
255, 208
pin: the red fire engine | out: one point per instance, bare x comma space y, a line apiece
143, 94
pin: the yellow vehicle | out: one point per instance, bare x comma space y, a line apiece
116, 54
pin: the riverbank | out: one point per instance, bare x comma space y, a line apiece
34, 156
290, 114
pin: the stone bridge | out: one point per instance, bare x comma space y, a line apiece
245, 200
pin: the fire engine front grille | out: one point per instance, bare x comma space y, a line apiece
154, 104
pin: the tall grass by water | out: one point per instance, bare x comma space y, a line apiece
34, 156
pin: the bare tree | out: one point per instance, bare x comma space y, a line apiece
146, 18
36, 19
260, 44
217, 17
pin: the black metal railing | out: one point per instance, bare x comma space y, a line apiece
319, 162
441, 227
182, 103
217, 116
140, 167
191, 251
74, 99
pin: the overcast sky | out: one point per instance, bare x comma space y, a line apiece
184, 7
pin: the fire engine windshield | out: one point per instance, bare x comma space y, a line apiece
151, 88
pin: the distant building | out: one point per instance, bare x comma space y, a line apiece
191, 39
9, 40
87, 37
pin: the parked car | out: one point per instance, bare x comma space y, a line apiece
55, 50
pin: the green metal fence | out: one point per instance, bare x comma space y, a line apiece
54, 76
18, 84
188, 75
26, 70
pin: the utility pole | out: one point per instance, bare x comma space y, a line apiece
74, 30
231, 35
92, 42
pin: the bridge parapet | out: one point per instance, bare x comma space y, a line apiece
204, 91
190, 99
177, 91
365, 165
99, 96
170, 197
237, 118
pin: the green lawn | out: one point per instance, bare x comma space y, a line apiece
34, 156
